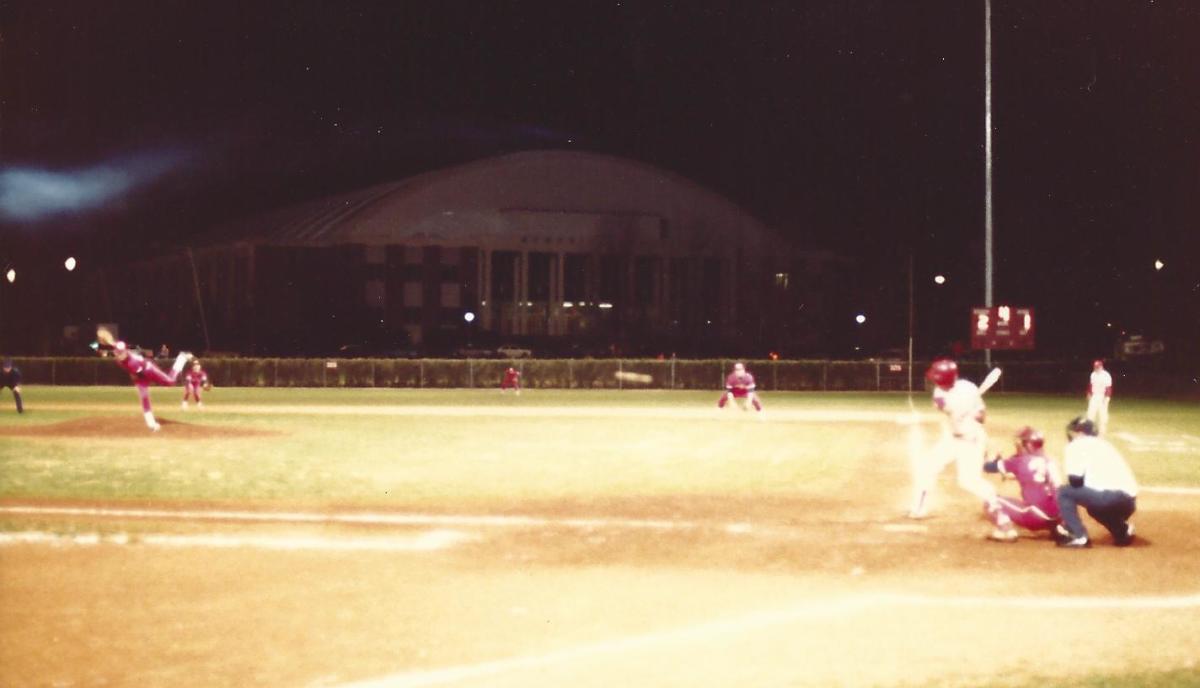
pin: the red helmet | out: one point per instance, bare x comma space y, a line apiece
1030, 440
942, 372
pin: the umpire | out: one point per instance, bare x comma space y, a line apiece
1099, 480
10, 376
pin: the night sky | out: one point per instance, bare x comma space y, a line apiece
850, 125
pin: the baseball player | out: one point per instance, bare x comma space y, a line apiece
1038, 476
193, 381
739, 386
512, 380
1099, 479
964, 443
1099, 392
142, 372
10, 377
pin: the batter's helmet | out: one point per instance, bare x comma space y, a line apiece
943, 372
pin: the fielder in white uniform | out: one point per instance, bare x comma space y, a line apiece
1099, 393
963, 442
1099, 480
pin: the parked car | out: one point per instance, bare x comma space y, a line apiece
474, 352
512, 351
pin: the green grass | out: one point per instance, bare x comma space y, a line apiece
502, 462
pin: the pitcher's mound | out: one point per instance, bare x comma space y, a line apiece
130, 427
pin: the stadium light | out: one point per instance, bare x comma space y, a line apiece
860, 318
939, 279
11, 275
1158, 264
469, 316
69, 263
604, 305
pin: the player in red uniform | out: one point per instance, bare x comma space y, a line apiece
142, 371
193, 381
512, 380
739, 386
1038, 476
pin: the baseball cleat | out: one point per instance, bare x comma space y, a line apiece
1004, 534
1076, 543
183, 405
1127, 539
181, 361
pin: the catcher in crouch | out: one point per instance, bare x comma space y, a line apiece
142, 371
964, 443
1038, 477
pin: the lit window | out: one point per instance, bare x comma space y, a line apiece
781, 280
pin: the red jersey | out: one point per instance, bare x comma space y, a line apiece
512, 379
196, 379
740, 385
134, 363
1037, 475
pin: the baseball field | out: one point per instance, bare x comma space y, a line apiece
338, 538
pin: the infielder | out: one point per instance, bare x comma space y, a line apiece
142, 372
195, 380
10, 377
739, 386
1099, 393
964, 443
512, 380
1099, 479
1038, 477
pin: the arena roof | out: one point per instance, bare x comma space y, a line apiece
491, 199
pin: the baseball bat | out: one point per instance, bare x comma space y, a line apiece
990, 380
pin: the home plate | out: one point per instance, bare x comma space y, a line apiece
905, 528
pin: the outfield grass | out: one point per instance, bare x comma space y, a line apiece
494, 461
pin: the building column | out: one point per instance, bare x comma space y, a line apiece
485, 289
521, 291
557, 295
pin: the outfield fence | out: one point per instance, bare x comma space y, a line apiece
798, 375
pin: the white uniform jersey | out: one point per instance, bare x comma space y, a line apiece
1100, 464
963, 406
1099, 382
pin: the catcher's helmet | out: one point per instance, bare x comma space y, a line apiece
1030, 440
1080, 426
943, 372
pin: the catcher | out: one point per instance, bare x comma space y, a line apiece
193, 381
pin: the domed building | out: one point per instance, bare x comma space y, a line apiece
543, 247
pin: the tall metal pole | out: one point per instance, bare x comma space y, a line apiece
910, 324
987, 164
200, 301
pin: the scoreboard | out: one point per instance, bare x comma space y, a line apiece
1001, 327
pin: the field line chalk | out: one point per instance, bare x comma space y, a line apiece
758, 621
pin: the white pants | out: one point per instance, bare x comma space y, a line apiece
1098, 411
966, 451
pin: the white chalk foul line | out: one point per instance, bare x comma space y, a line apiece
763, 620
377, 519
1170, 490
422, 542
